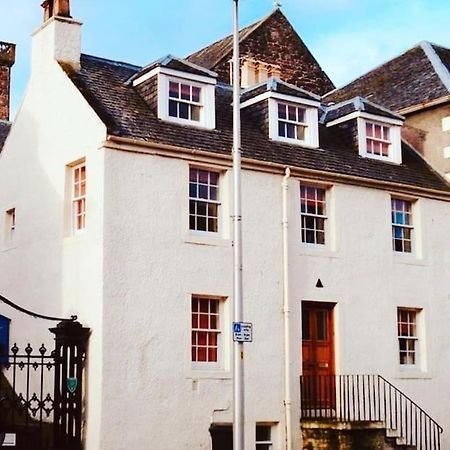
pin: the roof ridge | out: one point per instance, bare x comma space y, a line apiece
164, 61
379, 66
438, 66
245, 31
112, 61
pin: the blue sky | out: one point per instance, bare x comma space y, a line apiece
348, 37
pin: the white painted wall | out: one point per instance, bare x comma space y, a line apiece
152, 268
43, 268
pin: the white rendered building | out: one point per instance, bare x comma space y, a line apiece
119, 182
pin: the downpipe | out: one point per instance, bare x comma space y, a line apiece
286, 312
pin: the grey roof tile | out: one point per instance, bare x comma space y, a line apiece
4, 131
408, 80
276, 85
336, 111
126, 114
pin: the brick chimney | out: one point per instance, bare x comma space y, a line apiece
7, 59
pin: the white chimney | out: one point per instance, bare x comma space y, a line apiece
58, 38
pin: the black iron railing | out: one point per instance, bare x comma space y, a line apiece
369, 398
26, 396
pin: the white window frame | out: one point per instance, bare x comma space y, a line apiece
207, 97
311, 119
416, 338
221, 338
190, 103
446, 123
325, 216
409, 226
76, 199
10, 223
207, 201
269, 442
395, 141
296, 123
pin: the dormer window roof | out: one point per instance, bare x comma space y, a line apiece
181, 91
378, 129
292, 111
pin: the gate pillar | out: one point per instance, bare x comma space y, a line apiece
70, 351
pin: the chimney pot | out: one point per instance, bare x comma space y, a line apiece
7, 59
59, 8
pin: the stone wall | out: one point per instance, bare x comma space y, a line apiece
276, 42
340, 436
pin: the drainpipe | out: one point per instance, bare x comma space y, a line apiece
286, 314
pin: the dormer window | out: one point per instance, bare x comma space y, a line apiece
185, 101
374, 129
290, 113
380, 138
178, 91
292, 121
377, 139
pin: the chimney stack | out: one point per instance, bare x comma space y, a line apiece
7, 59
58, 8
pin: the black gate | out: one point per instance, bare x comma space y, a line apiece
41, 392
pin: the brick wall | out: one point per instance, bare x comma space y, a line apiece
7, 58
4, 92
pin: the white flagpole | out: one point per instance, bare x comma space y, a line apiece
238, 366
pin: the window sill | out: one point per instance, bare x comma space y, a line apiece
186, 122
213, 374
293, 141
318, 250
409, 259
206, 239
387, 159
413, 374
9, 246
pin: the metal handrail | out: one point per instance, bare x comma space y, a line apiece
369, 398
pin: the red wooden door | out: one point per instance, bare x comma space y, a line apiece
318, 354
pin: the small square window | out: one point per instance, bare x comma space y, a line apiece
378, 139
185, 101
292, 121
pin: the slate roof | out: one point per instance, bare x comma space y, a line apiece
126, 114
345, 108
172, 62
417, 76
211, 55
277, 85
272, 40
4, 131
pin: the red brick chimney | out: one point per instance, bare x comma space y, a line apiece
7, 59
59, 8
